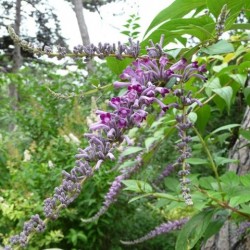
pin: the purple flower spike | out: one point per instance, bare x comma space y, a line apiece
162, 229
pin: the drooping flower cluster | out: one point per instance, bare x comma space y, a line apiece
120, 51
35, 224
162, 229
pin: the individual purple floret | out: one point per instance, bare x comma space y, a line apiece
162, 229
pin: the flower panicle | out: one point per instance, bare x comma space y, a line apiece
162, 229
102, 50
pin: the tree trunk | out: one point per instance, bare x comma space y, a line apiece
81, 21
17, 62
227, 238
82, 27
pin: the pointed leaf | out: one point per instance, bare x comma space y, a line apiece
220, 47
226, 93
177, 9
131, 150
193, 230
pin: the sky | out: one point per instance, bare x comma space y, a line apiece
106, 26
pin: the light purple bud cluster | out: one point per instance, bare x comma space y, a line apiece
156, 50
115, 189
186, 71
220, 24
35, 224
183, 124
106, 49
68, 191
162, 229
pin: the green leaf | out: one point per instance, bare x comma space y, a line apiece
137, 186
215, 224
245, 208
150, 141
243, 198
176, 28
246, 93
131, 150
172, 184
177, 9
138, 197
117, 66
230, 178
213, 83
174, 52
208, 183
196, 161
221, 47
222, 160
126, 32
240, 78
226, 93
166, 196
215, 7
245, 180
192, 117
193, 230
203, 114
128, 163
226, 127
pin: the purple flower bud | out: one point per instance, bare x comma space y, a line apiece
98, 126
202, 68
162, 91
121, 84
180, 65
163, 61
